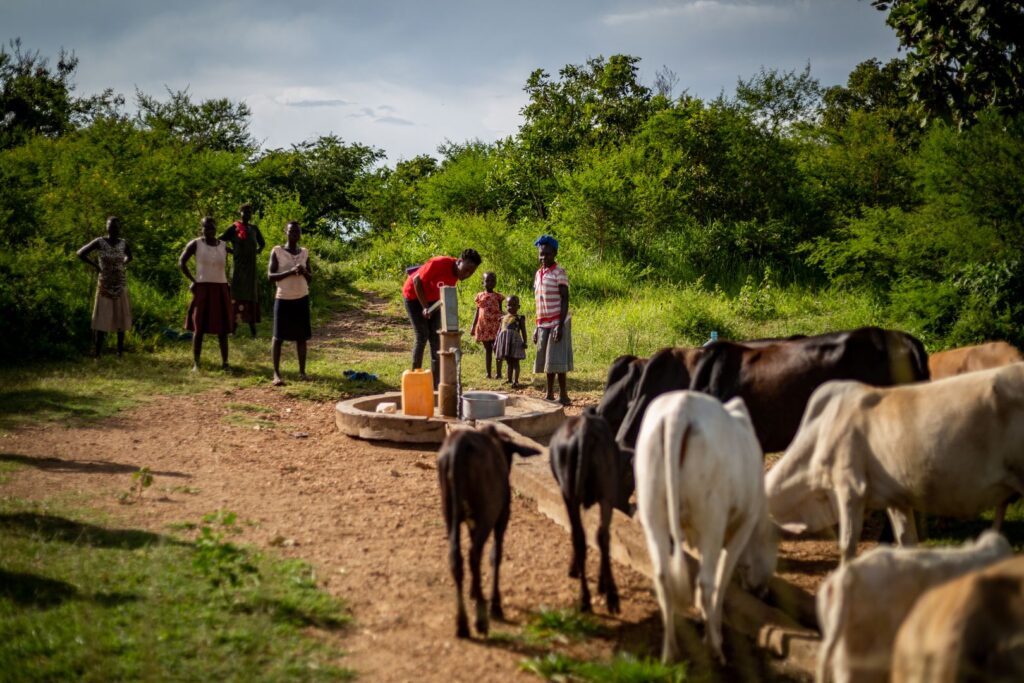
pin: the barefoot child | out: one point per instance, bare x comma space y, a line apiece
510, 345
488, 318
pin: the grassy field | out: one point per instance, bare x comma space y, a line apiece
81, 600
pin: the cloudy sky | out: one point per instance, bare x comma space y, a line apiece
405, 75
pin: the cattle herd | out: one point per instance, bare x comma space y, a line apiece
866, 420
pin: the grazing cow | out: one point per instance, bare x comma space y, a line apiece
776, 380
862, 604
972, 358
472, 470
623, 378
590, 469
950, 448
700, 479
667, 370
970, 629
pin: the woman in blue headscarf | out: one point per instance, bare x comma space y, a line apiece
553, 334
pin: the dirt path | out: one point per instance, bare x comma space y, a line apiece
365, 515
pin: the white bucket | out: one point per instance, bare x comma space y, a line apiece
477, 405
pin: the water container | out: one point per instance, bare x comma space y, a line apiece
418, 393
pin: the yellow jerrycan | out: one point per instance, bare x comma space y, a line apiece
418, 393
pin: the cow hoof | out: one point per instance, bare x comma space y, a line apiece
574, 572
497, 613
585, 607
613, 604
462, 630
482, 626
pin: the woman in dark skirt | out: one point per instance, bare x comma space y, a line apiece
211, 310
289, 268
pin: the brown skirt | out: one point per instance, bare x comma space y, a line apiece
246, 311
112, 314
210, 311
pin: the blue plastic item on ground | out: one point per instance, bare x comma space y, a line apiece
359, 376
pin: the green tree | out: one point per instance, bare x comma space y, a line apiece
215, 124
962, 55
325, 174
36, 99
780, 100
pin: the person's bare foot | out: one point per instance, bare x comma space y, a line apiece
549, 397
564, 400
195, 367
278, 382
303, 377
517, 385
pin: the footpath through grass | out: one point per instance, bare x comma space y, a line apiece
82, 601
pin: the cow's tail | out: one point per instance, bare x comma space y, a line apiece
832, 616
676, 433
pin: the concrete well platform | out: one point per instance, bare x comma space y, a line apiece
531, 417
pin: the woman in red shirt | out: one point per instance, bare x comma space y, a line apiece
422, 288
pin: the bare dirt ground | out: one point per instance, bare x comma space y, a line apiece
366, 515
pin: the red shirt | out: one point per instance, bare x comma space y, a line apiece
437, 271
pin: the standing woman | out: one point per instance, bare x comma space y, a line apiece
246, 243
112, 312
289, 268
210, 310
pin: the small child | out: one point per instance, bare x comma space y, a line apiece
488, 318
510, 345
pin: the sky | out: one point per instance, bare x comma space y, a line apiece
405, 76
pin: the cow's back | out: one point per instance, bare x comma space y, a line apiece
972, 359
945, 445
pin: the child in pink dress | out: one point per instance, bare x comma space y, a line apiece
487, 319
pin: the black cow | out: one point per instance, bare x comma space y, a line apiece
590, 469
776, 380
623, 378
472, 470
668, 370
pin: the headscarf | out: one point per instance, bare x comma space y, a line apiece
548, 240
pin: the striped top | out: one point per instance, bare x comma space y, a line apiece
545, 292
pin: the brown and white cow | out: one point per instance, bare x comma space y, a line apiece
472, 471
970, 629
862, 604
950, 448
700, 479
972, 358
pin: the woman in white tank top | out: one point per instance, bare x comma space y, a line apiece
289, 269
210, 309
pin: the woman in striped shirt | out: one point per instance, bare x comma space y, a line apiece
553, 334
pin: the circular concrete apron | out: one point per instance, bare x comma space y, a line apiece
532, 417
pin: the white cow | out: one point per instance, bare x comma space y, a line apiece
950, 448
699, 478
862, 604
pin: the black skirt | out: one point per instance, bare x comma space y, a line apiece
291, 319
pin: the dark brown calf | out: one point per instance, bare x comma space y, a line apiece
472, 470
590, 469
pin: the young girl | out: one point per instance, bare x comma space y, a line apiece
488, 318
510, 344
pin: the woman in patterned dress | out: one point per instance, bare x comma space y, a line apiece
111, 311
487, 319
